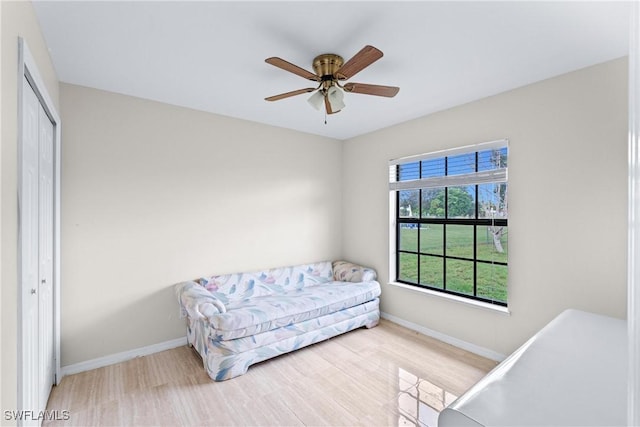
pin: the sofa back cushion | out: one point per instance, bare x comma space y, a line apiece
238, 286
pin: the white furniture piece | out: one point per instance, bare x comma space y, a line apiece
236, 320
573, 372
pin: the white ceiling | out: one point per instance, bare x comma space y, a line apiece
210, 55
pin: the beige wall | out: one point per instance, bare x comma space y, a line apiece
154, 194
567, 202
18, 19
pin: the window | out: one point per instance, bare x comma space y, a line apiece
451, 221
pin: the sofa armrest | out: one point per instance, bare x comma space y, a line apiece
345, 271
197, 302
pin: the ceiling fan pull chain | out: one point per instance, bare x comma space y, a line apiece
325, 118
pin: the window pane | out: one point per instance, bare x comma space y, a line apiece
431, 238
492, 159
409, 171
434, 167
431, 269
461, 164
409, 237
460, 276
492, 243
461, 202
433, 203
460, 241
408, 268
492, 281
408, 207
492, 201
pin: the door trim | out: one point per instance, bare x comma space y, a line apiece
28, 69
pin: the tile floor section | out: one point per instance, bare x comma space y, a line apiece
387, 375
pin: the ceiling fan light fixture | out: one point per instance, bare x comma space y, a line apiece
335, 95
316, 100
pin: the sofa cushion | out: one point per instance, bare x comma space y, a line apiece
264, 313
274, 281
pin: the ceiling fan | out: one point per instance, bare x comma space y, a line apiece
330, 71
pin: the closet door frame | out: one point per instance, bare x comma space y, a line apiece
29, 70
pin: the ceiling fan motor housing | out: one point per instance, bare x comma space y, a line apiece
327, 64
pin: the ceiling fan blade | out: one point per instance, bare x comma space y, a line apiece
327, 105
361, 60
288, 66
388, 91
288, 94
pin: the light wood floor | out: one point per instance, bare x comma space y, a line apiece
387, 375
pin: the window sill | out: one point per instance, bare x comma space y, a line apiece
469, 302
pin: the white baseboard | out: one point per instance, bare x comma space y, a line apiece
473, 348
112, 359
101, 362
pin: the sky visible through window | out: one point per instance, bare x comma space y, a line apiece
454, 165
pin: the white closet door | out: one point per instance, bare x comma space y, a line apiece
29, 250
36, 223
45, 245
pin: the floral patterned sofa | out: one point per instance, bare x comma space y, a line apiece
236, 320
